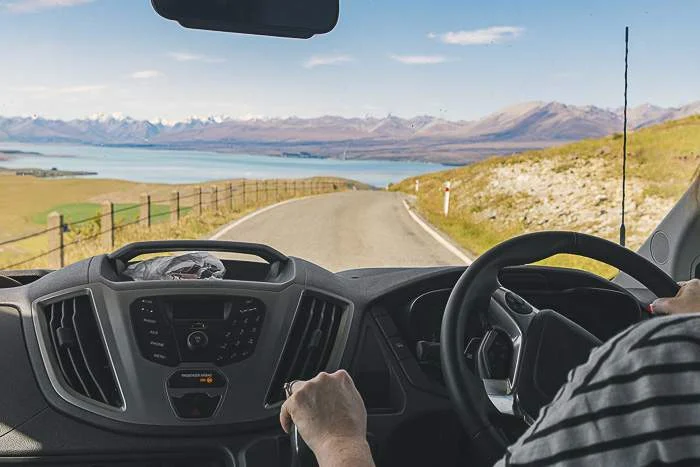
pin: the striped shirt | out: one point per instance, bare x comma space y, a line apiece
636, 402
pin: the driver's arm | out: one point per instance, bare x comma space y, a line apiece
331, 417
635, 402
644, 379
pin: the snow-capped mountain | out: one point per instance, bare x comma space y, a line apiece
531, 121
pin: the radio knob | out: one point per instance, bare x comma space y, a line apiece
197, 340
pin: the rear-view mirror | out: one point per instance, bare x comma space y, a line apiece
283, 18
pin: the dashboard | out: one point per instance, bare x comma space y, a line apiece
100, 368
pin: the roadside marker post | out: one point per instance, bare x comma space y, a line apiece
417, 185
446, 202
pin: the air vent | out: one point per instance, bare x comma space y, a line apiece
79, 351
309, 344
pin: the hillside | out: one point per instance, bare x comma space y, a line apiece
532, 125
570, 187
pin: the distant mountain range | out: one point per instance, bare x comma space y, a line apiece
524, 126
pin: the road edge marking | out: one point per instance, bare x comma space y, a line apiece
439, 238
232, 225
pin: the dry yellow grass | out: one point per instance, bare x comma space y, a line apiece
570, 187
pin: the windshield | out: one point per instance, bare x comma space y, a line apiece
413, 134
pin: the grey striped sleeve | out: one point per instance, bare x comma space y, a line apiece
635, 402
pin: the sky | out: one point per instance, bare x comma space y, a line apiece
456, 59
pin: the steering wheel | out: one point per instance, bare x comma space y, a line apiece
536, 336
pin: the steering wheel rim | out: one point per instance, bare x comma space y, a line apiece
473, 292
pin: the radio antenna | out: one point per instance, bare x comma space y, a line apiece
624, 143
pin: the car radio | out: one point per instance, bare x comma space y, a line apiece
197, 329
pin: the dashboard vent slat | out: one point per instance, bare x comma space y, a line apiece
79, 350
309, 344
78, 371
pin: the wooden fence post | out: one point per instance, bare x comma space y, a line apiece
107, 216
215, 198
244, 201
197, 201
229, 190
55, 256
257, 191
145, 210
174, 206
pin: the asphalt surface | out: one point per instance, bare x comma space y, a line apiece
346, 230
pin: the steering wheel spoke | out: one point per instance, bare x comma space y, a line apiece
511, 315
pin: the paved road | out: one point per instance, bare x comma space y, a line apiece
346, 230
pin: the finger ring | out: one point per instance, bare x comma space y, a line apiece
288, 387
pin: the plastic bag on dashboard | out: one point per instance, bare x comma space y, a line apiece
196, 265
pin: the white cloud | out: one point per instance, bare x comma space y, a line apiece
82, 89
30, 6
40, 91
146, 74
419, 59
321, 60
30, 89
492, 35
190, 57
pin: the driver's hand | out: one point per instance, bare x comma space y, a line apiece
331, 417
687, 300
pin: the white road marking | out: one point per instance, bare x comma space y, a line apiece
228, 227
440, 239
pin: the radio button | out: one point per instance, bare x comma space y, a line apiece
163, 357
148, 320
224, 346
197, 340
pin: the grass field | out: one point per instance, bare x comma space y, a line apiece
571, 187
25, 200
31, 199
124, 212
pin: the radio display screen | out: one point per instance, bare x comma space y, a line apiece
198, 308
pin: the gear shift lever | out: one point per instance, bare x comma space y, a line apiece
302, 455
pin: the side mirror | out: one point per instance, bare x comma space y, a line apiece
281, 18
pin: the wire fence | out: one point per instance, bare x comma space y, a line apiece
219, 199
